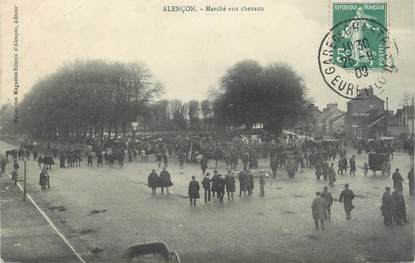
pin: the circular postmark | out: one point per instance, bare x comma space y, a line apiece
356, 56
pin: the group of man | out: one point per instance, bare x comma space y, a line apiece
393, 207
216, 186
163, 181
321, 205
393, 204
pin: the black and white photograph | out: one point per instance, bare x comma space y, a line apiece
207, 131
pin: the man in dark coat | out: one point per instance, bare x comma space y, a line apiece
252, 160
153, 181
159, 157
220, 187
165, 181
193, 191
325, 170
111, 159
340, 166
274, 166
262, 184
346, 198
99, 159
399, 209
40, 161
181, 158
15, 176
214, 187
397, 180
291, 167
332, 175
352, 163
329, 199
203, 164
343, 166
43, 179
411, 181
165, 157
206, 186
245, 160
319, 170
62, 160
250, 184
387, 207
243, 178
48, 161
234, 160
89, 159
319, 210
230, 184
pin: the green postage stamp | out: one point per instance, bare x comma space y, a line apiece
358, 51
360, 43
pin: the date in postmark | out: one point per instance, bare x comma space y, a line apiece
358, 53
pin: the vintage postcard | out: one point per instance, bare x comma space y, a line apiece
201, 131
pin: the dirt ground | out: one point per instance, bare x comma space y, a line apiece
102, 211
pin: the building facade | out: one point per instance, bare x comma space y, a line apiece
401, 124
330, 121
365, 117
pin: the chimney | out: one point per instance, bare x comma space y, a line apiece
366, 92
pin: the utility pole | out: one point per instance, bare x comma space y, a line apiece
24, 180
387, 115
413, 116
413, 136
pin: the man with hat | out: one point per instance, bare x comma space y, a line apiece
346, 198
387, 207
250, 185
398, 207
332, 175
319, 210
220, 187
329, 199
352, 163
193, 191
153, 181
203, 164
397, 180
206, 182
215, 179
243, 178
165, 181
230, 184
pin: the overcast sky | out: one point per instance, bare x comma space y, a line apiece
189, 52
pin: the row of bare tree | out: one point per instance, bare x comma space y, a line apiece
94, 98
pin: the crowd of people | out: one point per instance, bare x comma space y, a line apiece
241, 157
213, 186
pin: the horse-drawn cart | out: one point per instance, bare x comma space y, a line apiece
379, 162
